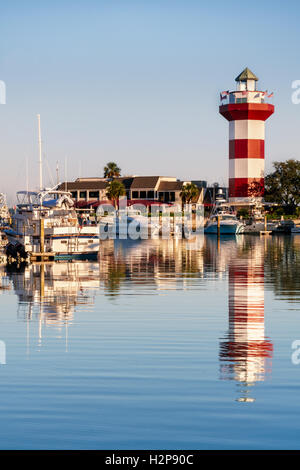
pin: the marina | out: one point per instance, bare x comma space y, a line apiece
149, 230
45, 225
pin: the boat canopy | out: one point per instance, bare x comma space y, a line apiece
63, 199
49, 199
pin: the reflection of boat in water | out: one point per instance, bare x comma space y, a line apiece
54, 290
52, 213
229, 224
245, 351
5, 283
49, 294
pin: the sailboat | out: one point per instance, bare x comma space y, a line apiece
45, 221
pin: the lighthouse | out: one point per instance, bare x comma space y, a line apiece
246, 109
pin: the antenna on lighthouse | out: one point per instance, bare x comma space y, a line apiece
40, 152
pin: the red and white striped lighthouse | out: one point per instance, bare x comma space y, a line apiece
246, 110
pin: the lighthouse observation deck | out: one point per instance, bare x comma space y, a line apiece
236, 97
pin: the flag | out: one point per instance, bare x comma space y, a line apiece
225, 92
257, 95
271, 95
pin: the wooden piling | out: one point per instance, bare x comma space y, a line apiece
42, 235
265, 231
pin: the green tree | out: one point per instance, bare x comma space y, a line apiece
111, 170
283, 185
114, 191
188, 192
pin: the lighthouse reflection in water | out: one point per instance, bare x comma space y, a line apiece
245, 353
53, 293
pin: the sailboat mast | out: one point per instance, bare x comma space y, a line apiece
57, 172
40, 152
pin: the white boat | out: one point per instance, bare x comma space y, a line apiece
229, 224
127, 222
52, 212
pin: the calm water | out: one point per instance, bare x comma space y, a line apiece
157, 346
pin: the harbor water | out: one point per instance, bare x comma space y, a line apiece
161, 344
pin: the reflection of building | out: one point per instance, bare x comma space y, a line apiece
163, 263
245, 352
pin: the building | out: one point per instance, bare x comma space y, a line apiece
144, 189
246, 110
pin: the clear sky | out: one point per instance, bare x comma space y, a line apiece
138, 82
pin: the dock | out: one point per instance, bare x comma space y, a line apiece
45, 256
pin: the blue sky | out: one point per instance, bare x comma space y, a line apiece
138, 82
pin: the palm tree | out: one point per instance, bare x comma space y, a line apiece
111, 170
189, 192
114, 190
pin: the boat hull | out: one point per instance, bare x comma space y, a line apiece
63, 247
76, 256
225, 229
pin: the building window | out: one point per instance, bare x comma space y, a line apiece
172, 196
143, 194
82, 194
150, 195
74, 194
161, 196
128, 194
94, 194
135, 194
